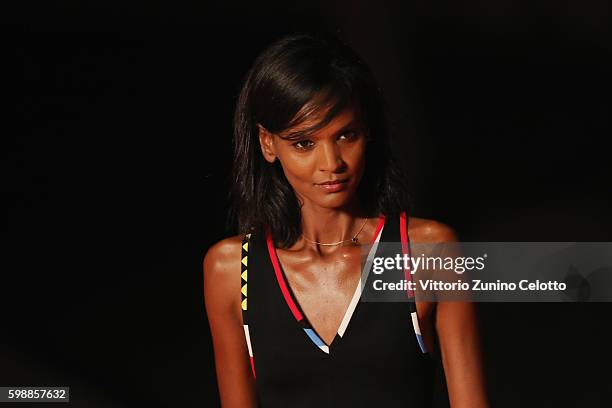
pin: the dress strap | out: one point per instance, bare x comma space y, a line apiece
244, 273
408, 276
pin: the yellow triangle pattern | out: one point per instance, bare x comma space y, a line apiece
244, 273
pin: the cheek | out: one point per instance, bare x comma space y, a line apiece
355, 157
298, 169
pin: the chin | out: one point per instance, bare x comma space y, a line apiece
336, 200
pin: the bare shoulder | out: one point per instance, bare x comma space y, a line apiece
222, 256
430, 231
221, 269
426, 231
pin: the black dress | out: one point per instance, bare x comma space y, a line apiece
377, 358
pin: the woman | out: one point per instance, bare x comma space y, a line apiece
313, 182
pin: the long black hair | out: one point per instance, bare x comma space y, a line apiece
295, 76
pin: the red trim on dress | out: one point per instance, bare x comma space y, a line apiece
279, 277
406, 251
253, 367
381, 222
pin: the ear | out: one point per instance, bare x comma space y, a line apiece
266, 141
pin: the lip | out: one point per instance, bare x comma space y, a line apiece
333, 186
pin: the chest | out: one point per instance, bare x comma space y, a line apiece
323, 287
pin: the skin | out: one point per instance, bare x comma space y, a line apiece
324, 278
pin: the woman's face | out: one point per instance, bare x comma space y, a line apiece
324, 168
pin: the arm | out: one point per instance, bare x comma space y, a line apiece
457, 328
222, 300
457, 332
460, 349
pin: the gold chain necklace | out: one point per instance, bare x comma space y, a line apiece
354, 240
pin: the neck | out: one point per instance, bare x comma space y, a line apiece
325, 225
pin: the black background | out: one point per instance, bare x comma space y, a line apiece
116, 153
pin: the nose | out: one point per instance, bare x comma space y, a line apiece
330, 158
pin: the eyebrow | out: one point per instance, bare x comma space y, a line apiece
300, 134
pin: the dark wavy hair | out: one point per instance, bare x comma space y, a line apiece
295, 76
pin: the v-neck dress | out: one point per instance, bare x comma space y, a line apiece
377, 358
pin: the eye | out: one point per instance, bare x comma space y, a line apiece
348, 135
303, 144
